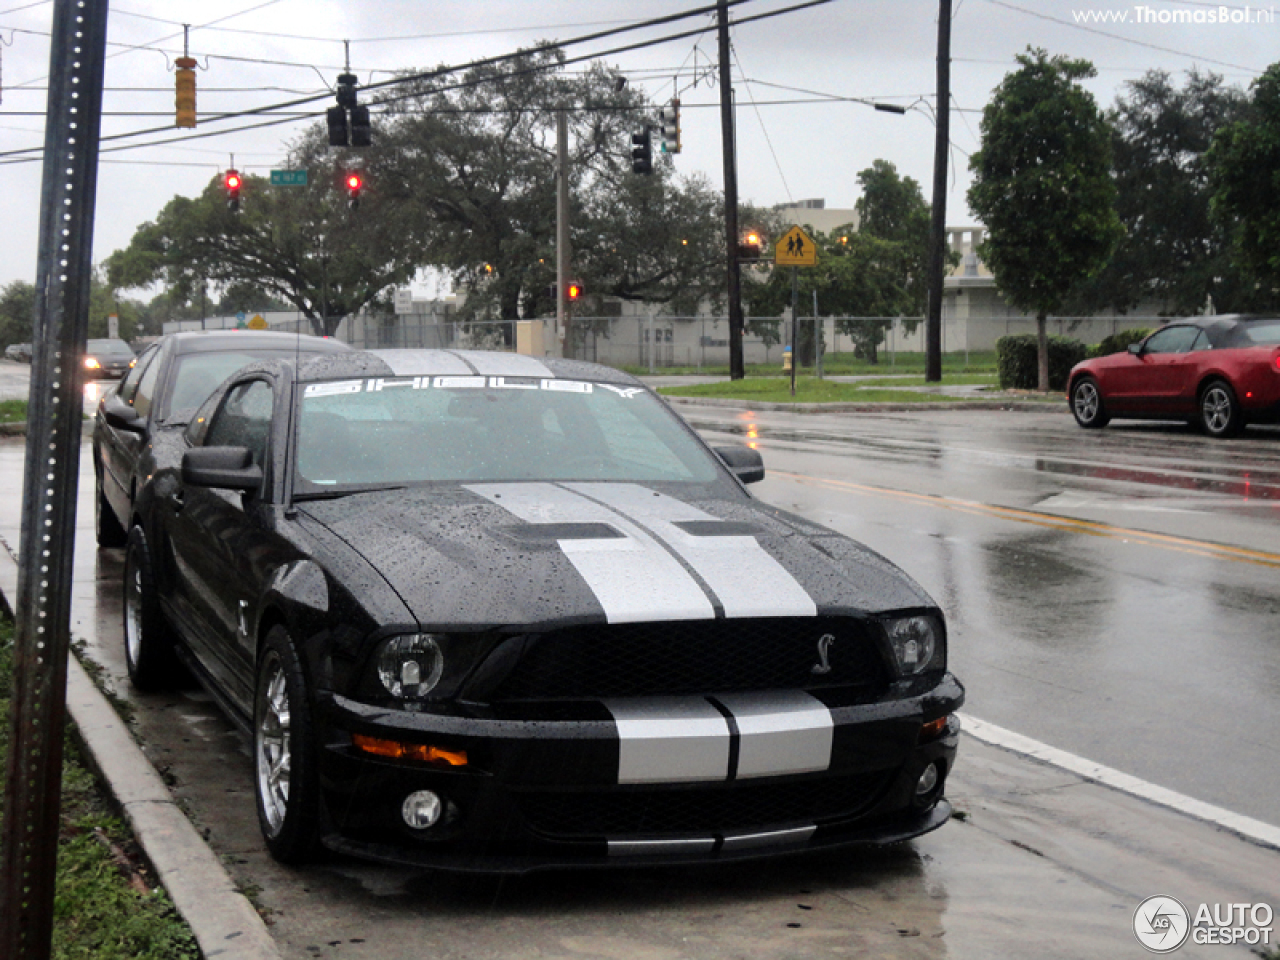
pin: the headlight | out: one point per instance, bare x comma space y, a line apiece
410, 665
91, 363
917, 644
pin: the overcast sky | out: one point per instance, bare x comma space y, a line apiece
258, 53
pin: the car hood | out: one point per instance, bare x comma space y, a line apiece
492, 554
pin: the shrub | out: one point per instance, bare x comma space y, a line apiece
1017, 365
1119, 342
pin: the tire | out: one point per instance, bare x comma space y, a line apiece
286, 783
1219, 410
1087, 405
106, 527
148, 638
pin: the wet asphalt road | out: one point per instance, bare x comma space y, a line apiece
1115, 594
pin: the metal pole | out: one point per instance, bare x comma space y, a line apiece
737, 369
33, 783
562, 233
817, 339
795, 357
938, 226
649, 338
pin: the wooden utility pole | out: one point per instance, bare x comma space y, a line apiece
736, 369
562, 233
938, 225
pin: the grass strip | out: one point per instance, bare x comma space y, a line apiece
107, 905
808, 390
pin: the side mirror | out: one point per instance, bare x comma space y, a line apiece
747, 464
120, 415
231, 468
1135, 349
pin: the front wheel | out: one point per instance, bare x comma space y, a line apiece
1086, 404
285, 781
1220, 414
148, 639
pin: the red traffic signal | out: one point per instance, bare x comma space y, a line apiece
573, 291
354, 183
231, 181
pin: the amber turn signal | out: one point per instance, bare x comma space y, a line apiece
933, 729
411, 751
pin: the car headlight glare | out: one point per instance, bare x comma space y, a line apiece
916, 641
410, 665
91, 363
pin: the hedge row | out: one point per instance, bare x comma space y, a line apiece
1119, 342
1018, 367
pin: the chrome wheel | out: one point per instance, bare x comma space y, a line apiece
133, 611
272, 747
1217, 409
1086, 404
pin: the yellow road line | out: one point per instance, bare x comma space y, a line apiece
1052, 521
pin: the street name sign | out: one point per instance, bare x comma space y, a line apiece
288, 178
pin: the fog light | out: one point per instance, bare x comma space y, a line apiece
928, 780
422, 809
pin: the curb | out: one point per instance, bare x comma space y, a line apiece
225, 924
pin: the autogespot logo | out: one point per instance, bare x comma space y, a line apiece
1161, 924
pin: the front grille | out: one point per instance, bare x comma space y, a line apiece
723, 808
695, 657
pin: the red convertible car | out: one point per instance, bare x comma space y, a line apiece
1218, 372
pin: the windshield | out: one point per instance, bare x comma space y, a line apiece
196, 375
469, 428
108, 348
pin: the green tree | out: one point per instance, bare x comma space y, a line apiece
1172, 250
1042, 186
1244, 176
893, 208
481, 156
302, 245
17, 312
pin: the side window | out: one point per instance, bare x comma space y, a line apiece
1202, 343
146, 392
244, 420
130, 385
1173, 340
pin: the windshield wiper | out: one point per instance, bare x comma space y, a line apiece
338, 494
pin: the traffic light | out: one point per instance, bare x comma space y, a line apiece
184, 97
669, 126
751, 246
232, 183
642, 152
337, 118
361, 131
348, 121
572, 291
354, 183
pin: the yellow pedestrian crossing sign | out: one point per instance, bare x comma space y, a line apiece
795, 249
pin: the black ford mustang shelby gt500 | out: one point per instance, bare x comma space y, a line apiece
484, 611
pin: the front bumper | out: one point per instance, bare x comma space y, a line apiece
641, 782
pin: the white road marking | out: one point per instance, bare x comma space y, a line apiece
1246, 827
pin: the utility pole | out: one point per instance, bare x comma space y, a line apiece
736, 369
562, 233
938, 226
33, 772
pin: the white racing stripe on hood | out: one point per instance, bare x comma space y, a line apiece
633, 578
746, 579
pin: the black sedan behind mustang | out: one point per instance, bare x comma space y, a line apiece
487, 612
